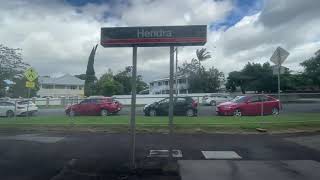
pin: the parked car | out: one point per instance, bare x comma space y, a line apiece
182, 106
215, 99
250, 105
7, 108
103, 106
26, 107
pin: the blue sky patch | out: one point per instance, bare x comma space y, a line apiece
241, 9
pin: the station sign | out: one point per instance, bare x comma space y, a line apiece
152, 36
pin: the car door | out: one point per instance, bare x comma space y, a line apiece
92, 107
81, 108
252, 106
163, 107
268, 104
4, 107
180, 106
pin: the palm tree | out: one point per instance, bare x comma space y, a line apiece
202, 55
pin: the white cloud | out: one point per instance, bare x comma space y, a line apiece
57, 37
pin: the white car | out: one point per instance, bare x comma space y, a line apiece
7, 109
23, 108
215, 99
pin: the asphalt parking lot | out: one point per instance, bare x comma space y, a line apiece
202, 110
26, 155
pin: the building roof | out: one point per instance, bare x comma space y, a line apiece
67, 79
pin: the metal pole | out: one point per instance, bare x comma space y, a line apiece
176, 75
279, 67
262, 104
28, 103
133, 107
171, 100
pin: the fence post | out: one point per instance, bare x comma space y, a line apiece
47, 101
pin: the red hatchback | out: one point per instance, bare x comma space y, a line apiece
249, 105
94, 106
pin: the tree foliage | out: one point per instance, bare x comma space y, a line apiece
312, 69
201, 80
257, 77
11, 66
120, 83
90, 78
19, 88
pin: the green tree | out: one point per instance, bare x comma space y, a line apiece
202, 55
125, 78
201, 80
19, 88
107, 86
90, 78
11, 65
312, 69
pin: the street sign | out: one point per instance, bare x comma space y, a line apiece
275, 69
30, 84
279, 56
31, 74
150, 36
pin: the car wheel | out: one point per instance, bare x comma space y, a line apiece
104, 112
152, 112
237, 112
190, 113
72, 113
213, 103
275, 111
10, 114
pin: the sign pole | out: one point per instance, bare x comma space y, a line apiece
133, 107
279, 71
28, 103
171, 101
176, 75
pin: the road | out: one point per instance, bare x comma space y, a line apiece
76, 155
204, 110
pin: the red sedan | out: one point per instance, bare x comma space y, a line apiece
249, 105
103, 106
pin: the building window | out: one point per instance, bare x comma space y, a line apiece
60, 86
72, 87
166, 82
47, 86
151, 84
183, 91
182, 81
159, 83
80, 87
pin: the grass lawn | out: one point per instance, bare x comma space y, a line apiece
310, 121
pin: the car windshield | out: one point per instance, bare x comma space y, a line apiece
239, 99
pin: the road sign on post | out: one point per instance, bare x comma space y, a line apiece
278, 57
31, 74
30, 84
152, 36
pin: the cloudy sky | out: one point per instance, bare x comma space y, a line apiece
57, 35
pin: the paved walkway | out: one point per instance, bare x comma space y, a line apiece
249, 170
